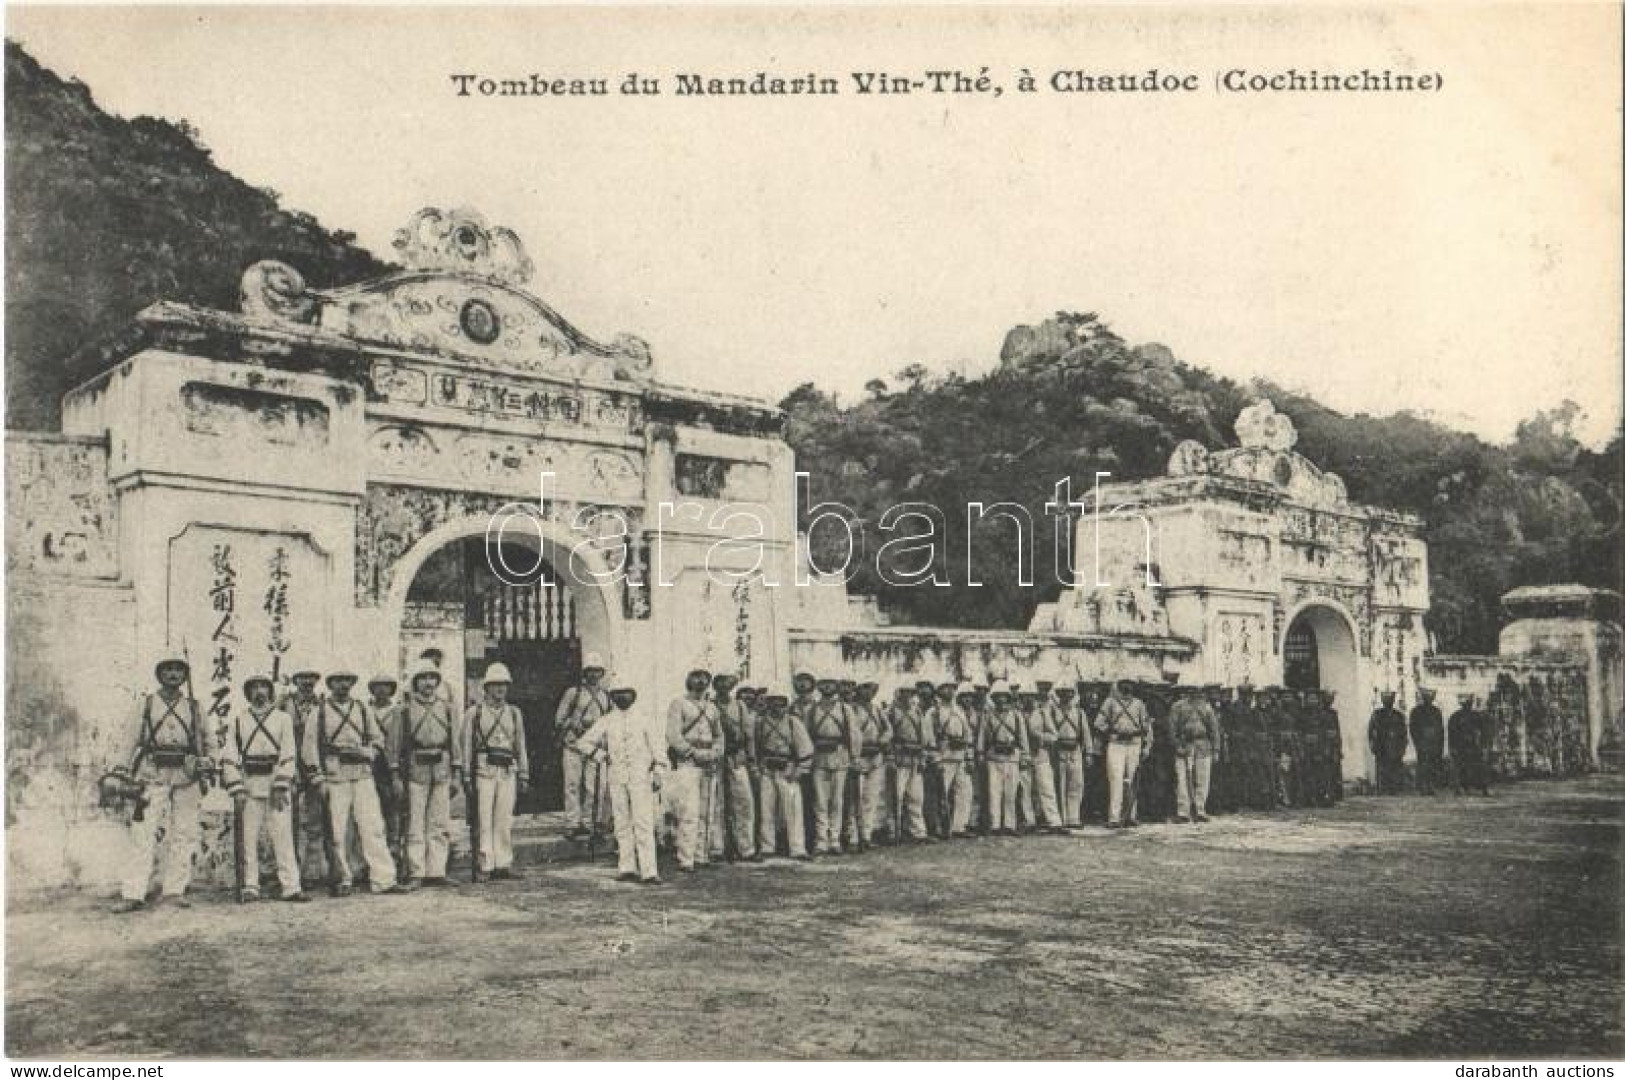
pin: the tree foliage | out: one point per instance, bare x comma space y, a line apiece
1070, 398
105, 215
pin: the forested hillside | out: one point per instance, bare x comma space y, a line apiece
106, 215
1070, 397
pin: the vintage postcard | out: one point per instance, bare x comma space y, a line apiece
804, 533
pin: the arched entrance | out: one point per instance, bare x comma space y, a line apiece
534, 618
1319, 653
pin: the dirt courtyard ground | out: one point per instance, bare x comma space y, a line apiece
1403, 927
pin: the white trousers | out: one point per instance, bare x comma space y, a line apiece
1193, 775
1122, 763
829, 805
863, 818
781, 808
173, 812
428, 830
742, 808
1003, 779
634, 828
958, 791
357, 801
911, 798
1070, 794
1038, 790
688, 800
496, 795
259, 818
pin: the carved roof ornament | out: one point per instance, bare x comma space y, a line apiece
1261, 426
460, 240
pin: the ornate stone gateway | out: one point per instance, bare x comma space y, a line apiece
316, 478
293, 471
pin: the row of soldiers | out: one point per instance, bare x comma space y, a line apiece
348, 790
1464, 741
343, 790
835, 766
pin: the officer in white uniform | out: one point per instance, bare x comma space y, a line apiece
634, 771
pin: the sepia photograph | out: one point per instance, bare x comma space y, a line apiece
811, 533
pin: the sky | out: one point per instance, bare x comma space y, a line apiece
1454, 253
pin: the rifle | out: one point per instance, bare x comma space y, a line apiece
471, 815
898, 786
707, 793
205, 764
1055, 772
239, 853
592, 834
730, 850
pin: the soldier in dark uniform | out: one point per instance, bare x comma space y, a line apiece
1156, 778
1311, 749
1386, 734
1265, 782
1240, 746
1096, 796
1332, 733
1469, 731
1427, 735
1226, 796
1283, 744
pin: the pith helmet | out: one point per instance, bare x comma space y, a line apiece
965, 689
1000, 687
592, 661
170, 661
341, 672
422, 669
496, 673
304, 669
258, 678
382, 680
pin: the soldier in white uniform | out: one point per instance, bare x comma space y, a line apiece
1073, 744
835, 747
387, 712
340, 744
171, 766
783, 753
495, 731
955, 745
738, 763
578, 710
910, 742
258, 766
1004, 744
873, 736
309, 827
431, 759
634, 770
694, 741
1124, 726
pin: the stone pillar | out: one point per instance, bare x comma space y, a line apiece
1580, 624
